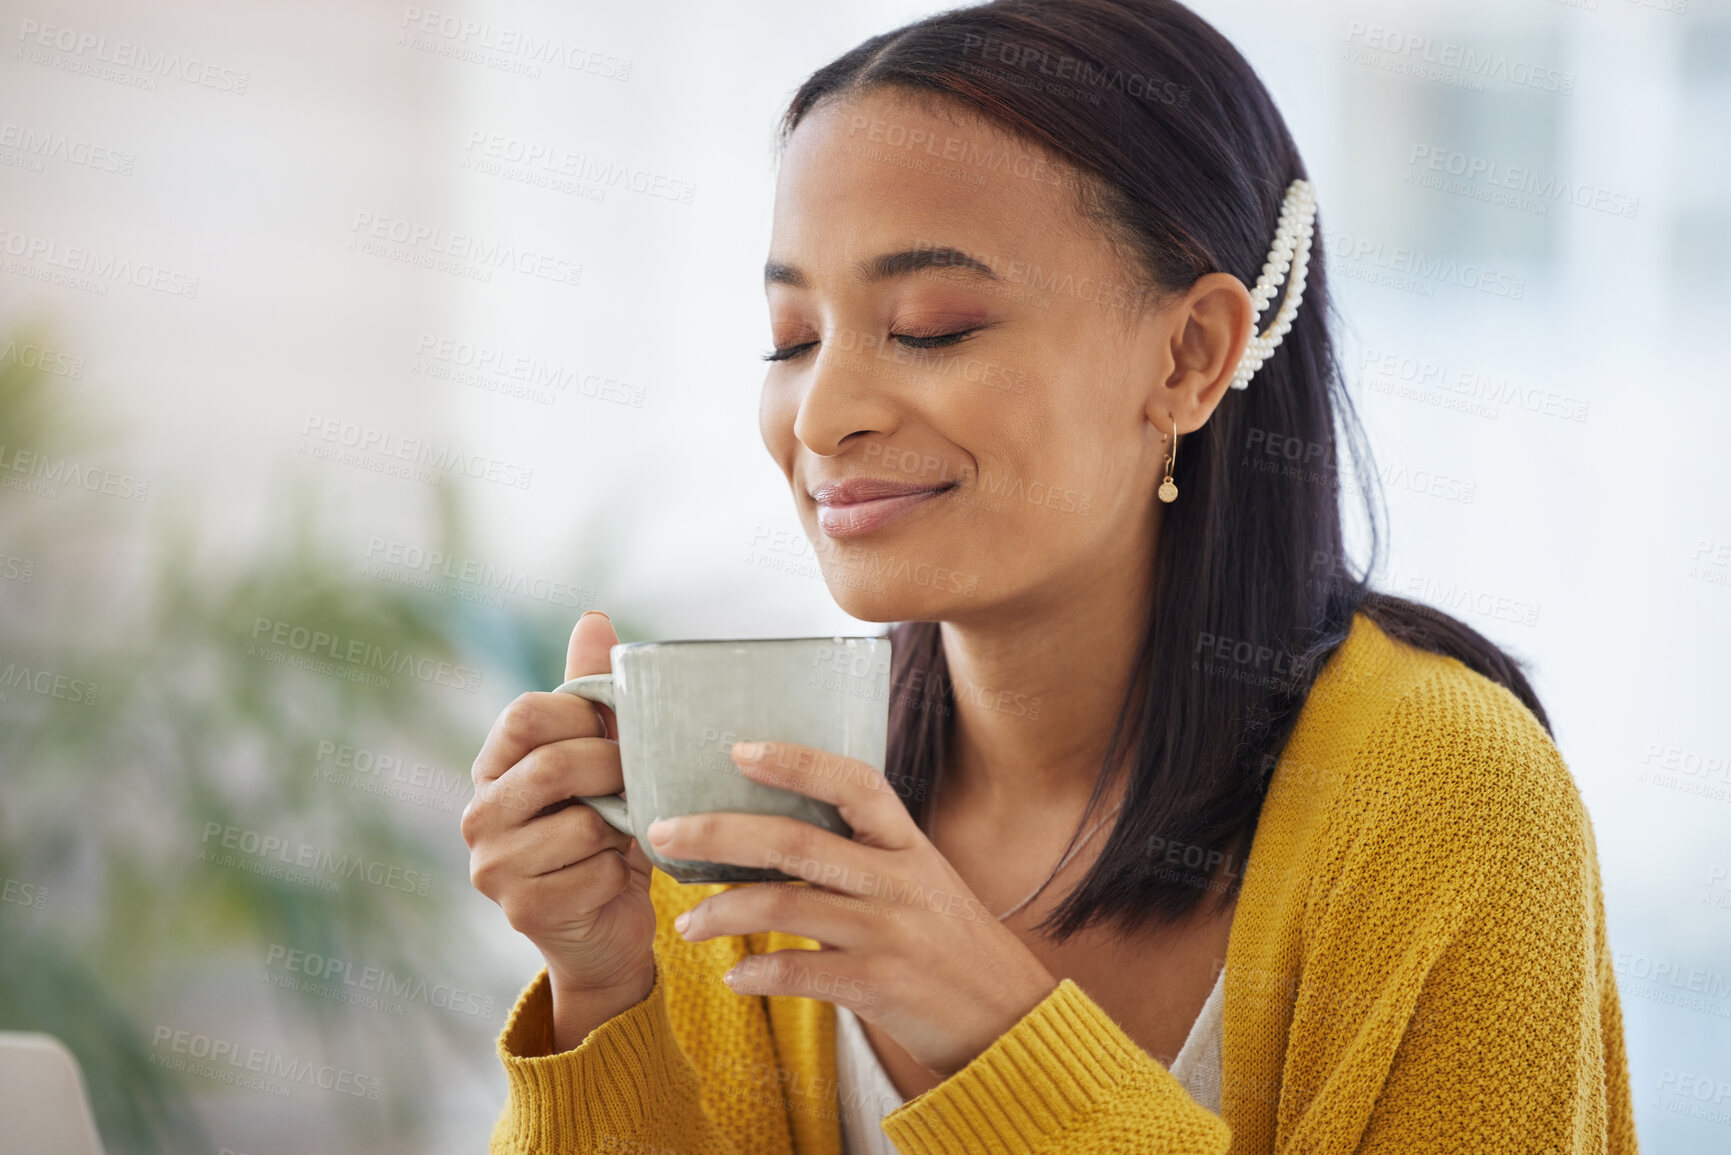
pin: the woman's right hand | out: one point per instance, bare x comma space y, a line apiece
574, 886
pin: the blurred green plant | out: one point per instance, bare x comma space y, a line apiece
109, 805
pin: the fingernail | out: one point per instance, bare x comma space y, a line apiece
586, 613
660, 830
728, 979
748, 750
680, 923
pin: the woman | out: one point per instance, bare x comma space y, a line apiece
1194, 843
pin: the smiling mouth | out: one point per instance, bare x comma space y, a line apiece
853, 518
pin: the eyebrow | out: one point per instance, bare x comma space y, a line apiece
889, 265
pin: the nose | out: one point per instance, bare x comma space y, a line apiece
845, 397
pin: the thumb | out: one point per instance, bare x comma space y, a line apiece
590, 646
588, 652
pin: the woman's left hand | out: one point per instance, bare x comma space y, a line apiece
904, 942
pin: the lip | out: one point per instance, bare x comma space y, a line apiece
860, 505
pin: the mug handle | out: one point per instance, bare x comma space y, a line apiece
599, 688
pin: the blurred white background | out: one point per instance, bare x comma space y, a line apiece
1585, 412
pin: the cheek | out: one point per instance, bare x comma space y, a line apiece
1067, 445
776, 409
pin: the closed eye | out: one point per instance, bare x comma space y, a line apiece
788, 351
908, 340
935, 342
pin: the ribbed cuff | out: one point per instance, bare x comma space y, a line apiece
1062, 1062
628, 1072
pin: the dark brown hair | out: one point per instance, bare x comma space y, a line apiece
1186, 159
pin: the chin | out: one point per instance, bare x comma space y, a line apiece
892, 589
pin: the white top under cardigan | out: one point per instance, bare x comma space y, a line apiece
866, 1094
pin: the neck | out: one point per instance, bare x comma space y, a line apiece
1037, 689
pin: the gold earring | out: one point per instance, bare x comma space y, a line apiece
1169, 492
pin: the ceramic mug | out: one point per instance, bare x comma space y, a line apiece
681, 705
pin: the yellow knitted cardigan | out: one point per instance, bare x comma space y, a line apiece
1417, 963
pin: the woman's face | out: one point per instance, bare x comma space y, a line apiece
947, 325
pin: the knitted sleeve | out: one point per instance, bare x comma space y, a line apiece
631, 1087
1065, 1078
1456, 990
625, 1088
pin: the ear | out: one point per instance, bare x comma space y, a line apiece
1203, 333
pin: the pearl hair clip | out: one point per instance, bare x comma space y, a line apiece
1291, 251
